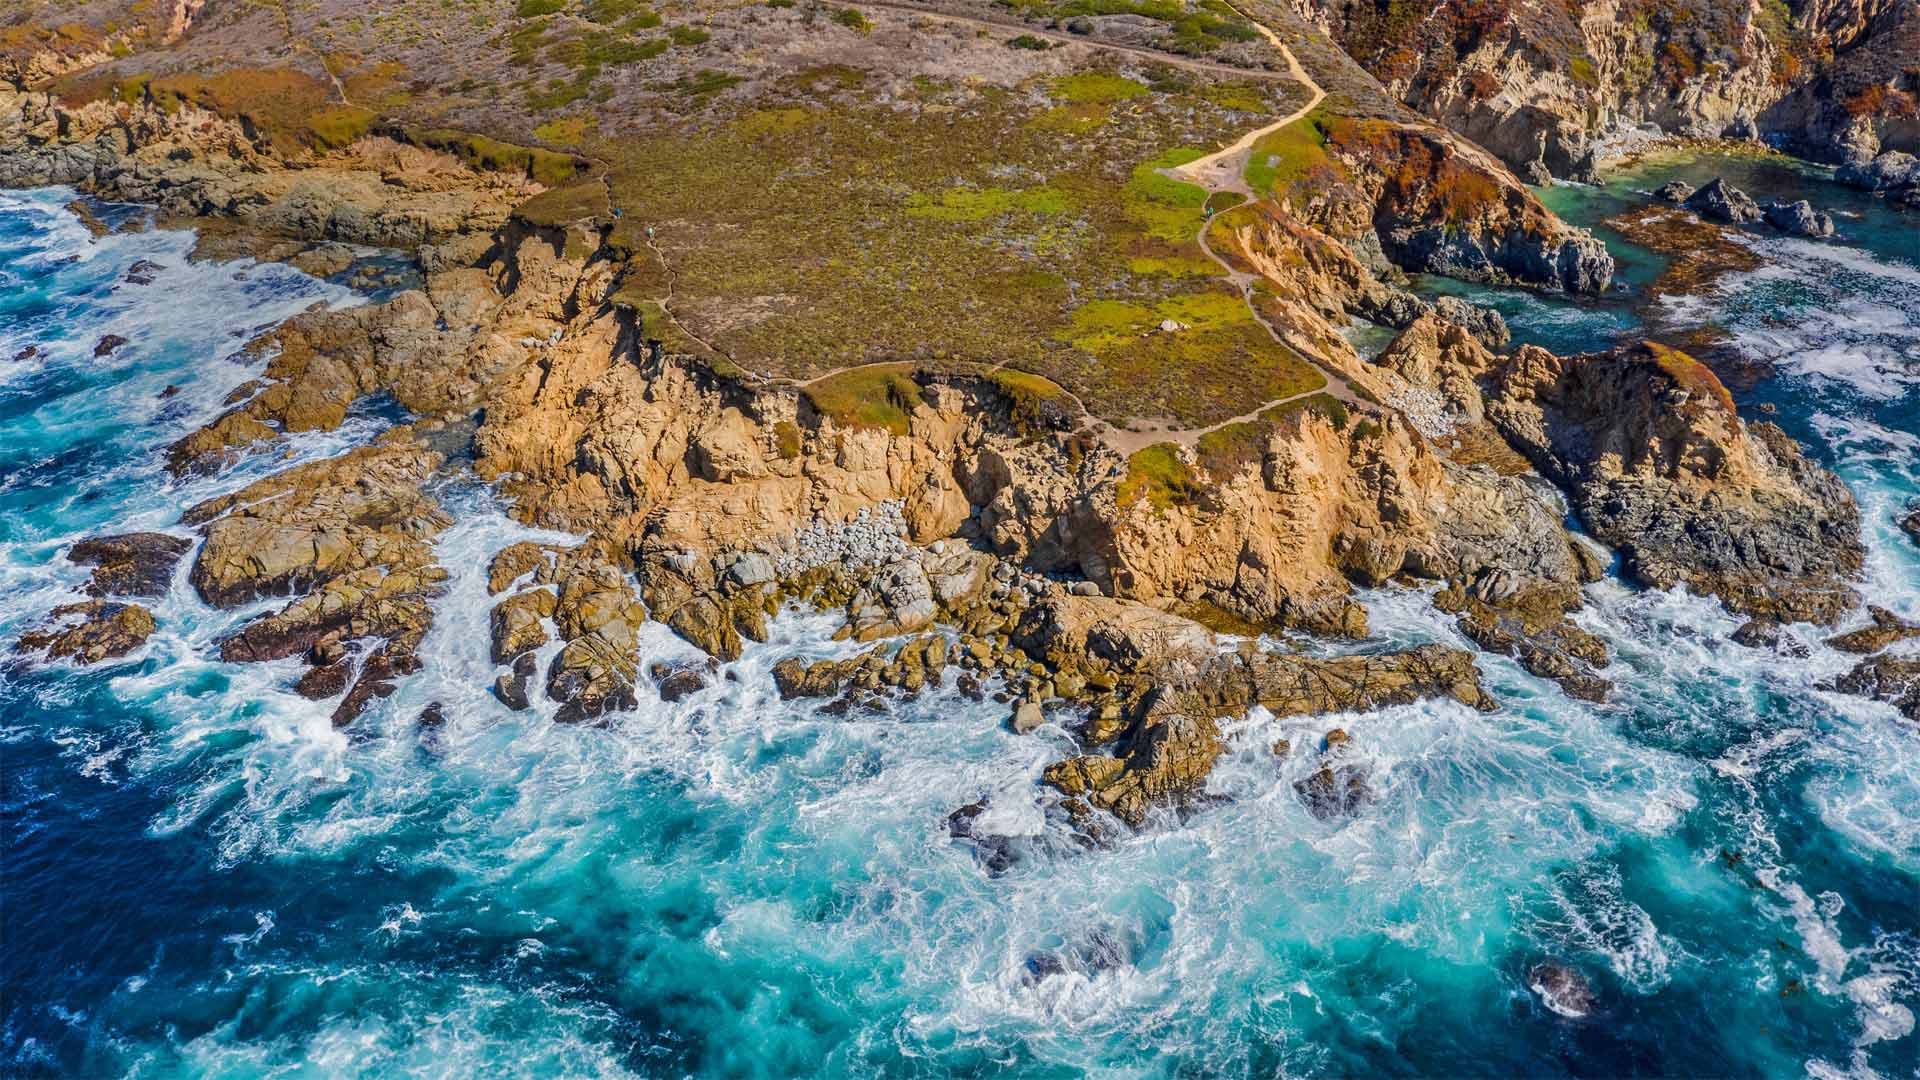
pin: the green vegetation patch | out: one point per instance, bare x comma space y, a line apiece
1693, 376
1096, 87
1030, 397
339, 126
1160, 475
632, 14
563, 206
876, 397
542, 166
854, 20
1281, 158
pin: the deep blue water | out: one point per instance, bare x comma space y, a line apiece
203, 878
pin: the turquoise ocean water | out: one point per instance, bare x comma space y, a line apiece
201, 877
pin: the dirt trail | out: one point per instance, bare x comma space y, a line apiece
1155, 55
1225, 170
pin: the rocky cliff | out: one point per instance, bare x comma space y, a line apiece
1549, 87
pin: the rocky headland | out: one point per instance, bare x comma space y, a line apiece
999, 523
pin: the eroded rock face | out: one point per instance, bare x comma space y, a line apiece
89, 632
1658, 464
350, 538
1445, 208
130, 564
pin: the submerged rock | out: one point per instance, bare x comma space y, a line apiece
130, 564
89, 632
1335, 791
1910, 524
106, 345
997, 851
1722, 201
1563, 990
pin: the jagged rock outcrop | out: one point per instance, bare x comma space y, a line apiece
1721, 201
1554, 90
1174, 738
130, 564
1482, 322
1884, 629
350, 537
1443, 207
1659, 464
89, 632
188, 162
1674, 191
1531, 626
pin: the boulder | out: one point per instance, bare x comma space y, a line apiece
1891, 171
1910, 524
675, 682
89, 632
517, 623
511, 689
106, 345
142, 272
515, 561
1721, 201
130, 564
1800, 219
899, 600
1027, 718
1674, 191
1335, 791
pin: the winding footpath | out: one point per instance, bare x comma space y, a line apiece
1225, 171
